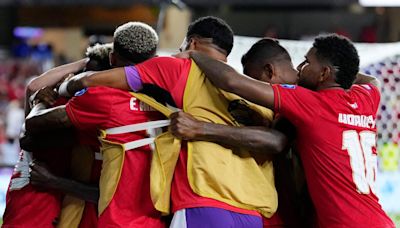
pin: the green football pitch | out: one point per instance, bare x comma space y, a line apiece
396, 219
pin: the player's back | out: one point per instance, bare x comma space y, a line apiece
131, 193
341, 161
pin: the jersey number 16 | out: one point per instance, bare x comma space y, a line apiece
362, 159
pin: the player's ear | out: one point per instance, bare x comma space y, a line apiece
268, 71
192, 44
112, 58
325, 73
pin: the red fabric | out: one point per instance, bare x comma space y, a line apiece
168, 73
89, 217
33, 207
103, 108
320, 143
171, 74
30, 207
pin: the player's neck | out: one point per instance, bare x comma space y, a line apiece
329, 86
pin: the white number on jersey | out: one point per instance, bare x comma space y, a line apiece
362, 160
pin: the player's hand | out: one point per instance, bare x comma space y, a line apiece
40, 175
185, 126
71, 85
81, 64
243, 114
45, 95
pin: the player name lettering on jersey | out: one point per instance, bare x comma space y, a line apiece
137, 105
357, 120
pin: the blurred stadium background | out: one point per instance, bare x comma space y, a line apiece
36, 35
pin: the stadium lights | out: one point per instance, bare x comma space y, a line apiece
380, 3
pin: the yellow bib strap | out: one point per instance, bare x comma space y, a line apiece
71, 213
137, 127
114, 155
153, 103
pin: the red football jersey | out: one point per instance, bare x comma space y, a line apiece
336, 139
171, 74
103, 108
28, 206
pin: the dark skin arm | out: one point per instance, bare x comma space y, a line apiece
365, 79
47, 140
42, 177
41, 119
225, 77
50, 78
258, 139
45, 95
114, 78
51, 138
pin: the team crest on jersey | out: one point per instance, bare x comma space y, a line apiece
287, 86
80, 92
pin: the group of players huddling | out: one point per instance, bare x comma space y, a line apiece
124, 138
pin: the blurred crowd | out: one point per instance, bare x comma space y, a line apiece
14, 75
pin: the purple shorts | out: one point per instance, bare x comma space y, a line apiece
210, 217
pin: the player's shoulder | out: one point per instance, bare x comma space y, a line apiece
369, 89
95, 93
168, 60
366, 86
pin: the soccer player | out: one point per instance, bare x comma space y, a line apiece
27, 206
334, 112
124, 187
265, 61
211, 187
45, 204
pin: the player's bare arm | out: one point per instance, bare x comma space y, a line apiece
260, 139
51, 77
114, 78
47, 140
228, 79
365, 79
41, 119
42, 177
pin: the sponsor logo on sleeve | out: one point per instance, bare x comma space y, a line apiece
80, 92
287, 86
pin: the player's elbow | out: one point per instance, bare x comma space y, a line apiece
276, 143
280, 144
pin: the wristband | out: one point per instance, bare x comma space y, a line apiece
62, 90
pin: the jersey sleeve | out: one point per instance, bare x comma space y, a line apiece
164, 72
372, 92
295, 103
91, 110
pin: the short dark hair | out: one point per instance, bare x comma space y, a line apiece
215, 28
341, 54
265, 49
135, 41
99, 53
